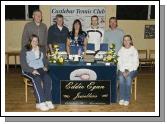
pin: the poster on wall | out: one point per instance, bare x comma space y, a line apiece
149, 32
82, 13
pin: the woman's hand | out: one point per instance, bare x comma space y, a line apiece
45, 69
35, 72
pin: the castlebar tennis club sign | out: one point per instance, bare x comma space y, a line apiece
85, 92
82, 13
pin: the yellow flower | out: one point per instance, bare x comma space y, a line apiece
112, 46
55, 46
109, 57
55, 52
104, 59
61, 59
109, 52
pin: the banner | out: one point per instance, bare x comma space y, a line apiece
85, 92
82, 13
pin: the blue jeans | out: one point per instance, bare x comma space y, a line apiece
125, 85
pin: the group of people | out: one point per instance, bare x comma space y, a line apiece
37, 40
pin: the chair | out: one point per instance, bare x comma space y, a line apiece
91, 46
143, 59
103, 47
142, 55
27, 83
152, 58
134, 83
11, 53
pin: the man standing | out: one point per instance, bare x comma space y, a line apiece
57, 33
114, 34
94, 33
35, 27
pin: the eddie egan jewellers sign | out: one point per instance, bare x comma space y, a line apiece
85, 92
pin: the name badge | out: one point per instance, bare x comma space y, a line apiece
107, 64
88, 63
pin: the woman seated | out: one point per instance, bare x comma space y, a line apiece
128, 63
34, 66
77, 37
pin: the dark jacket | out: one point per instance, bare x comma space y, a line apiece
55, 36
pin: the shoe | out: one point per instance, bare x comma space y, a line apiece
126, 103
50, 104
121, 102
42, 106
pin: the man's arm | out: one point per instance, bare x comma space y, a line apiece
25, 36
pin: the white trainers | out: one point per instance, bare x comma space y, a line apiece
42, 106
121, 102
126, 103
49, 105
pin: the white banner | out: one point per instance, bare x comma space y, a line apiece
82, 13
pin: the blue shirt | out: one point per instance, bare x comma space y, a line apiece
34, 62
114, 36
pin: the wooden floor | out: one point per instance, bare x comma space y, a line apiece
15, 100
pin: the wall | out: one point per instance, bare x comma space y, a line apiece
13, 30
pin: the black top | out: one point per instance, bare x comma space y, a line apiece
79, 40
55, 36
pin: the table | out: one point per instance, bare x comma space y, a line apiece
11, 53
62, 72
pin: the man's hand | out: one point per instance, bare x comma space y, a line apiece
45, 69
35, 72
50, 47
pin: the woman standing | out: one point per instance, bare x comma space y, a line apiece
77, 37
128, 63
34, 66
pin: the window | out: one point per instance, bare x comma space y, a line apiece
31, 9
135, 12
152, 12
19, 12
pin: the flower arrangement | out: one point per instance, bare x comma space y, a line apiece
111, 55
55, 57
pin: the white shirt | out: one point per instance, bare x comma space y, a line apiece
60, 27
128, 59
95, 36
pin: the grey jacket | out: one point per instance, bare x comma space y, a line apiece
24, 65
31, 28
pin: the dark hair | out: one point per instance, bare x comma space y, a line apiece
59, 16
80, 29
95, 16
28, 46
112, 18
131, 43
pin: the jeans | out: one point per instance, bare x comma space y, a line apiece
125, 85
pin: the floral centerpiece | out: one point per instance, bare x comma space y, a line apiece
111, 55
55, 57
